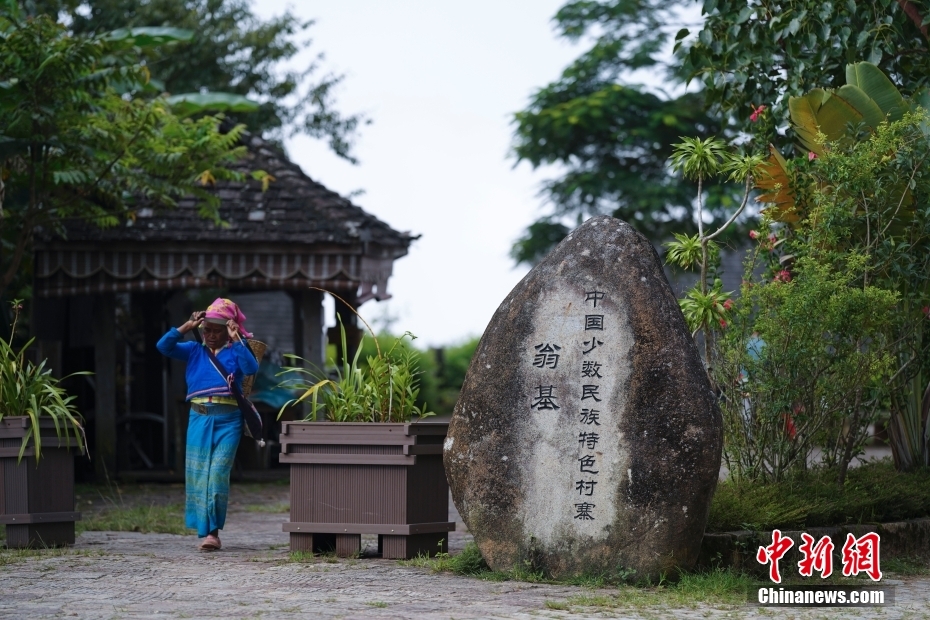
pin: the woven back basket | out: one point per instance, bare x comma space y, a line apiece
258, 348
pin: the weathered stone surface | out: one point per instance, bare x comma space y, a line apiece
517, 460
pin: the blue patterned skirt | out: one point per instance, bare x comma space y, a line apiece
212, 440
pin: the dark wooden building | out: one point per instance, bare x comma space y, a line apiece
103, 297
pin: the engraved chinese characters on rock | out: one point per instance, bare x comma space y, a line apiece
547, 394
590, 370
571, 408
546, 355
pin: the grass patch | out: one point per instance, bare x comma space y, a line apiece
302, 557
718, 587
112, 507
469, 563
14, 556
379, 604
874, 493
905, 567
145, 519
308, 557
274, 507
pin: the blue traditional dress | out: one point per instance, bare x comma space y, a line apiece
212, 437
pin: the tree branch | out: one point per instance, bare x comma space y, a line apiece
738, 211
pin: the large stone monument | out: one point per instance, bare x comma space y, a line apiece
587, 438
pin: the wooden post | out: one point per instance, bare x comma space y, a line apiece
350, 322
49, 317
312, 345
154, 399
104, 328
309, 342
178, 311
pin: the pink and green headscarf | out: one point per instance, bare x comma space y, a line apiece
225, 309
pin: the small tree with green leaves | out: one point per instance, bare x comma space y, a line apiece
232, 50
78, 141
706, 304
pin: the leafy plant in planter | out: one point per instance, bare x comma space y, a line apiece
29, 390
373, 467
384, 390
36, 498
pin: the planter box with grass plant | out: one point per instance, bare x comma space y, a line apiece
38, 428
373, 467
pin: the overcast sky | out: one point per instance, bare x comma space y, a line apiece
441, 82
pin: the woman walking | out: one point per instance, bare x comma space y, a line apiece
215, 424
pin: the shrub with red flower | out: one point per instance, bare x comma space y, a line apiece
757, 113
811, 156
783, 276
754, 234
728, 304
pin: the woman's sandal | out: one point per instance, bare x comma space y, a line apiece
211, 543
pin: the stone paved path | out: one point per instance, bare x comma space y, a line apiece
131, 575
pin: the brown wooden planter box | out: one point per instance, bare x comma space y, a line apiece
36, 499
349, 479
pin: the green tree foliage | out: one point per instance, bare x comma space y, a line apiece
752, 53
452, 364
845, 318
610, 138
75, 144
613, 147
232, 51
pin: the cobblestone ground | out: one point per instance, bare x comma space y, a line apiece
133, 575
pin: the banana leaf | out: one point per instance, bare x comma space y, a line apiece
878, 87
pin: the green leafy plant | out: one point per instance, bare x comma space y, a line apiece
82, 137
852, 208
28, 389
238, 50
705, 305
384, 390
752, 53
874, 203
801, 368
822, 120
874, 492
858, 194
